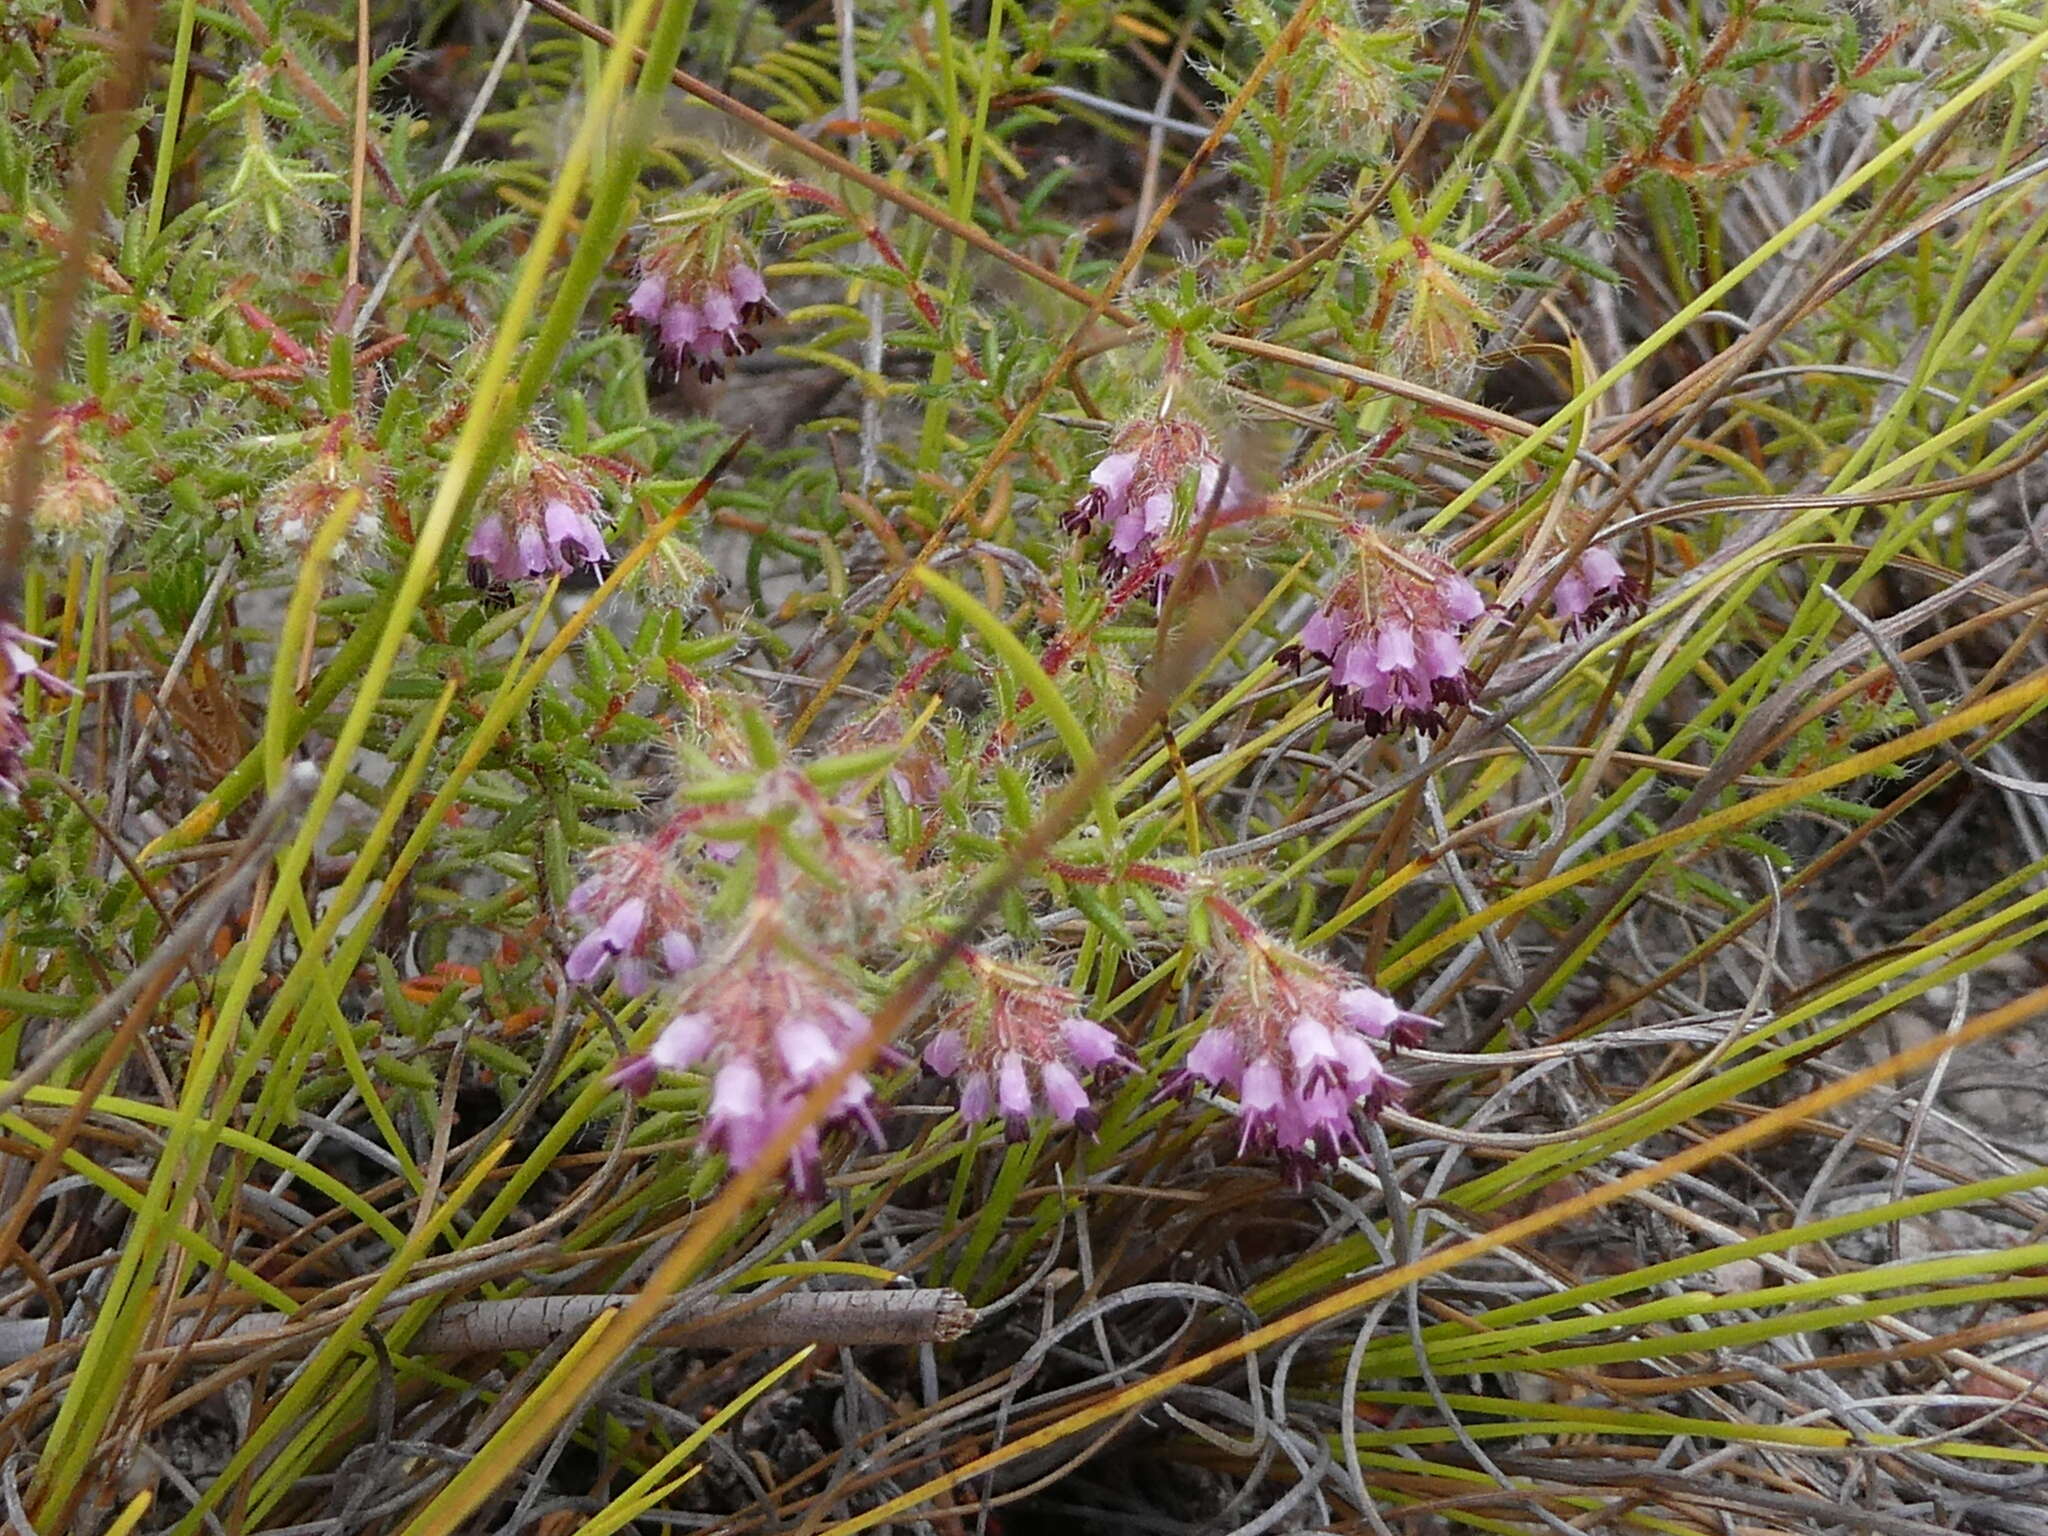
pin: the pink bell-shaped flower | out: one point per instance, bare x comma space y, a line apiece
1296, 1042
696, 303
642, 920
1596, 587
1137, 488
767, 1026
540, 519
1391, 632
1020, 1047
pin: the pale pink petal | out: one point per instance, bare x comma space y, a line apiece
1092, 1045
1064, 1095
975, 1102
947, 1053
1461, 600
647, 300
1216, 1058
682, 1043
745, 284
1368, 1010
1394, 648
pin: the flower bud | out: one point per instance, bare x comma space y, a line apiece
76, 506
293, 511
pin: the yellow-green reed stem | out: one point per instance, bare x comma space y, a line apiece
300, 616
659, 1482
520, 682
121, 1190
2009, 705
1891, 155
311, 1384
1752, 1063
167, 142
130, 1517
1112, 1405
142, 1112
84, 1413
447, 1508
1946, 330
1574, 1418
90, 604
1323, 1268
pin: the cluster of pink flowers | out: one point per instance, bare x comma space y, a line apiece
1298, 1043
1595, 587
694, 315
1022, 1045
767, 1013
767, 1025
542, 520
771, 1013
1392, 632
642, 920
1136, 488
19, 663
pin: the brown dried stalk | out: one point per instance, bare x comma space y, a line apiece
928, 1315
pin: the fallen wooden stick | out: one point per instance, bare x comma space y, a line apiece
924, 1316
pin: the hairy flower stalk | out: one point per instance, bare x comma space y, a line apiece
542, 520
1391, 633
766, 1023
696, 301
642, 919
1020, 1047
1161, 473
1297, 1042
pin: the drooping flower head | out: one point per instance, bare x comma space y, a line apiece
1596, 587
766, 1024
642, 919
75, 504
295, 509
1019, 1046
540, 519
1390, 632
1161, 474
19, 663
1297, 1043
696, 297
